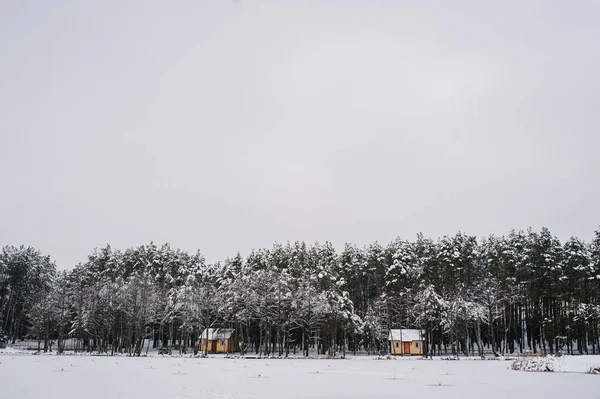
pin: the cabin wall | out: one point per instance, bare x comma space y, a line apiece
223, 345
396, 347
416, 347
212, 345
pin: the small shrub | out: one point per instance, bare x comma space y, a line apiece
594, 369
534, 364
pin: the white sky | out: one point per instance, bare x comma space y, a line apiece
227, 126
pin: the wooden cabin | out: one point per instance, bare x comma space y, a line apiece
406, 342
219, 340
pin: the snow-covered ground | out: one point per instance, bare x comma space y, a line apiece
576, 364
99, 377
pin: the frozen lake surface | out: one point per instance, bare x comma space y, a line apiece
96, 377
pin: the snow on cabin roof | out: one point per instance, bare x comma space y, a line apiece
217, 333
405, 335
208, 332
223, 333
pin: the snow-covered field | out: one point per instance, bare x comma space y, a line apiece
98, 377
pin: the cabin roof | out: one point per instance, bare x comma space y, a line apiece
217, 333
405, 335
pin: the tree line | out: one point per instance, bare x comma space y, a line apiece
525, 291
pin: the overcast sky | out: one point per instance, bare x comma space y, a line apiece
228, 125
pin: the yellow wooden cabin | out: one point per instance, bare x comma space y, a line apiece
406, 342
217, 340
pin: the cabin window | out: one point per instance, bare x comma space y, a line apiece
222, 342
397, 344
416, 344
